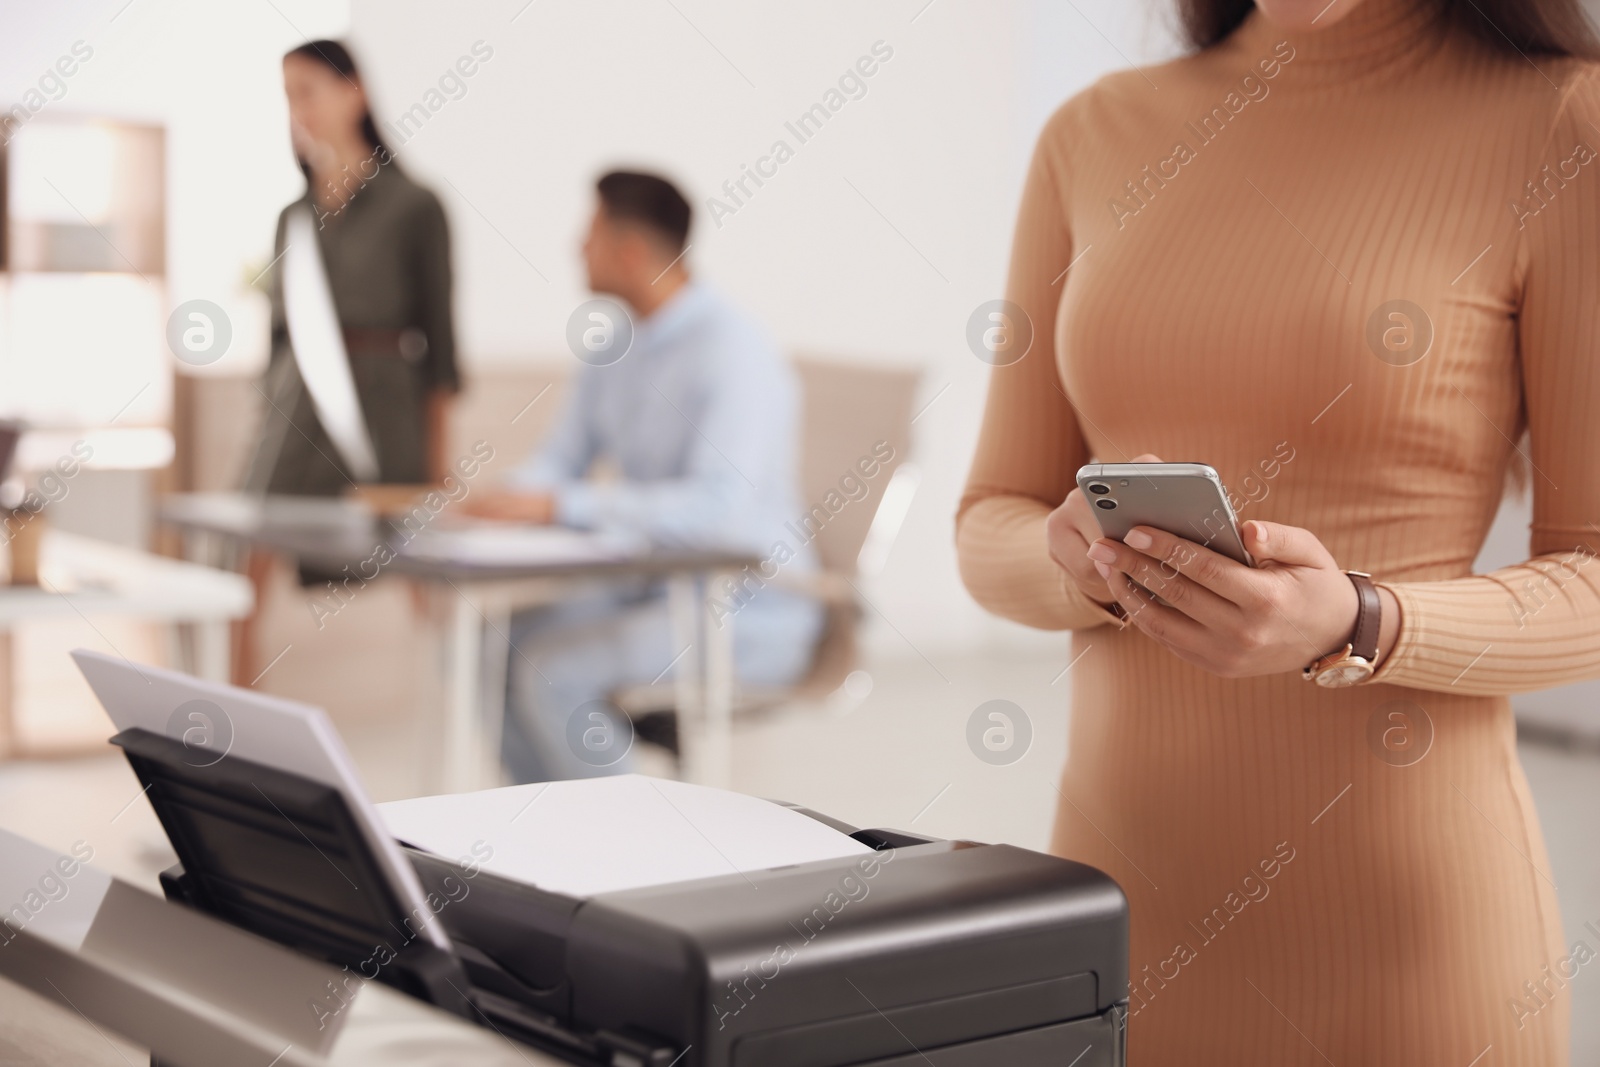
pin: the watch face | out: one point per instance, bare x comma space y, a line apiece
1343, 674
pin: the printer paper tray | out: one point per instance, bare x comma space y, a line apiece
872, 1035
1092, 1042
1095, 1042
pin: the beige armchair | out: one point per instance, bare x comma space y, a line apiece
847, 410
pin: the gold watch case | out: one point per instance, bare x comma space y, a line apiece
1341, 669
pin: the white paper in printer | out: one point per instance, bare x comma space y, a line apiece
598, 835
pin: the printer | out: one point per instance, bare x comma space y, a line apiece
918, 952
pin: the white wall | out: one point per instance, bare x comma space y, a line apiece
210, 73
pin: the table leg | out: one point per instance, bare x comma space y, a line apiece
461, 750
7, 692
717, 692
683, 604
496, 661
181, 647
212, 641
205, 548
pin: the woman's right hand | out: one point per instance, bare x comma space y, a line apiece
1069, 532
536, 508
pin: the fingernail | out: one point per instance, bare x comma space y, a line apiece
1138, 539
1102, 553
1105, 572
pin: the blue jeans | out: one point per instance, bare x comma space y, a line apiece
567, 658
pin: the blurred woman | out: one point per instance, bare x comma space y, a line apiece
385, 247
378, 245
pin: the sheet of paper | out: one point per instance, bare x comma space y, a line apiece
598, 835
506, 545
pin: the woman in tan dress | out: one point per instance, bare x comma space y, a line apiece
1348, 254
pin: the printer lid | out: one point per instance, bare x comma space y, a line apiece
282, 856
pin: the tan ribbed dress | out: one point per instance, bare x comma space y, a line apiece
1305, 889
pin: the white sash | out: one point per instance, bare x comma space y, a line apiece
318, 344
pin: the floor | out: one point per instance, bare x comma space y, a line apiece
894, 753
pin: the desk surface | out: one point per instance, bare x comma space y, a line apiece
332, 533
200, 992
82, 576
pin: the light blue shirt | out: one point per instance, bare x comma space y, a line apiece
700, 419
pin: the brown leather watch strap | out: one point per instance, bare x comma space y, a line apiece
1364, 641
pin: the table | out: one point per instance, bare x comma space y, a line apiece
331, 534
81, 578
196, 991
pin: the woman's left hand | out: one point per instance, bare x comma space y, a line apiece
1236, 621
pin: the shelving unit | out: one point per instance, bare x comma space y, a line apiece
83, 360
83, 297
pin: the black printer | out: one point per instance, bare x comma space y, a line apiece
921, 952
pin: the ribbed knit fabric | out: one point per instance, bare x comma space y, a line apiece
1353, 877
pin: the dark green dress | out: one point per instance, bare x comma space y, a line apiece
387, 255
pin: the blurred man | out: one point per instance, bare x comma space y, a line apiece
696, 416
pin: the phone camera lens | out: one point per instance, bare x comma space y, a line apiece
1099, 488
1106, 502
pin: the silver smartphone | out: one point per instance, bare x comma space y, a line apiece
1185, 499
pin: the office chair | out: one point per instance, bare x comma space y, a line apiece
846, 410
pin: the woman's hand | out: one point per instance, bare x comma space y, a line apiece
1294, 606
1069, 532
536, 508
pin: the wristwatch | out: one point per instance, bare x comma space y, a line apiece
1355, 662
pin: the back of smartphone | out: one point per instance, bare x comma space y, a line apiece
1186, 499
